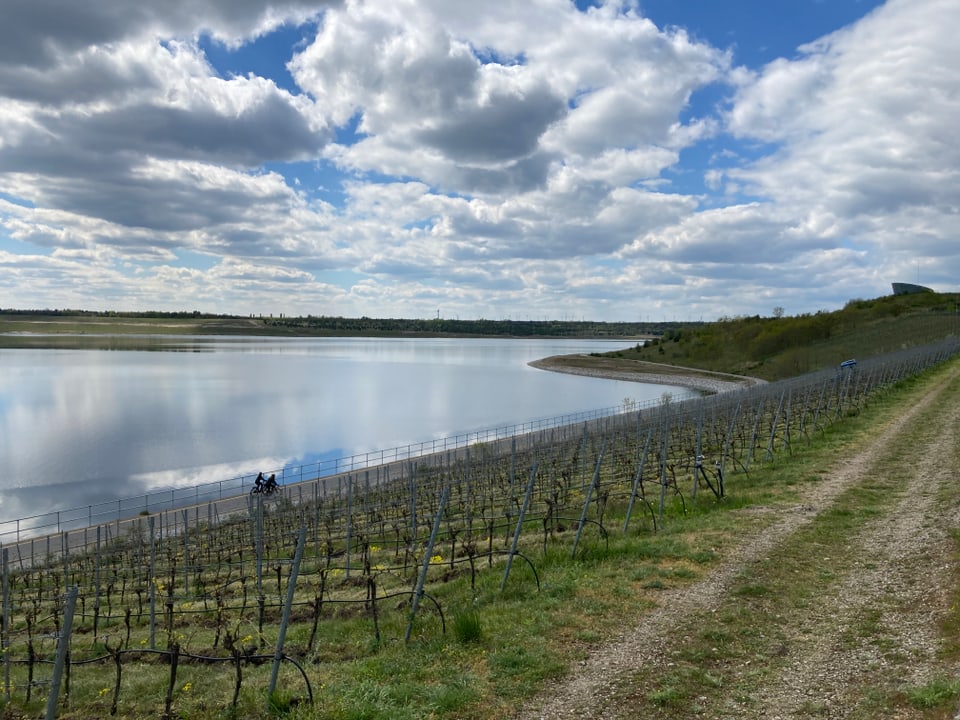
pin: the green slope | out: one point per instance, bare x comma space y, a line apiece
776, 348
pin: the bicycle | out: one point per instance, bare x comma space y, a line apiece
266, 489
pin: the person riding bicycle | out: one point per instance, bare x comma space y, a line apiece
258, 483
271, 484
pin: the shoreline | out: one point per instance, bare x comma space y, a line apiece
702, 381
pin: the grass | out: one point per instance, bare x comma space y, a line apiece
467, 627
506, 643
940, 692
778, 348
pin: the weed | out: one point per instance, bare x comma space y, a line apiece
466, 626
939, 692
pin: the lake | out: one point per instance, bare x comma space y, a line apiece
88, 426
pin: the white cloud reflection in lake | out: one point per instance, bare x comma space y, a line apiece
90, 426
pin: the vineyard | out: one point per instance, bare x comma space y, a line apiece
249, 604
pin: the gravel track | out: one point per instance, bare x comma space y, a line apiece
901, 569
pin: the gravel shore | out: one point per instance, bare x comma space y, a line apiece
696, 380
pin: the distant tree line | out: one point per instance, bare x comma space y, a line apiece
331, 325
69, 312
440, 326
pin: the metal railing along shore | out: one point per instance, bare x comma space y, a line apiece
56, 522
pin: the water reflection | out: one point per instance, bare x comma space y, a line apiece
85, 426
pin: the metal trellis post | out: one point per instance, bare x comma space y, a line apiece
63, 642
285, 620
418, 593
520, 518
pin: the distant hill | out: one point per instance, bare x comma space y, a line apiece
774, 348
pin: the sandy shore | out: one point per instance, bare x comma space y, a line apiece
700, 380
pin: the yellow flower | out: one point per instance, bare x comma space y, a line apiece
103, 691
436, 559
187, 686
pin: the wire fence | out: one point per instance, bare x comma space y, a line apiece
213, 588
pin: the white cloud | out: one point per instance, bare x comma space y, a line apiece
501, 159
41, 33
863, 123
563, 84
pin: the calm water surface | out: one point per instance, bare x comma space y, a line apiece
84, 426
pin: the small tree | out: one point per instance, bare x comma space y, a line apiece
778, 312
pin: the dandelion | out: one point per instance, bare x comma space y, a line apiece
374, 548
187, 686
103, 691
436, 559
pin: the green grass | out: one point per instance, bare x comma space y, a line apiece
467, 627
778, 348
938, 693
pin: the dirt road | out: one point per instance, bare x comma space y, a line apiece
873, 630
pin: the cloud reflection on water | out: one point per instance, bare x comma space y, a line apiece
85, 427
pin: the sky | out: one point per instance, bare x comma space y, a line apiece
516, 159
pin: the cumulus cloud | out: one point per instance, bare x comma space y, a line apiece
41, 34
163, 149
506, 158
862, 122
491, 107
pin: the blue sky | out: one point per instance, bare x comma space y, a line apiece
549, 159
